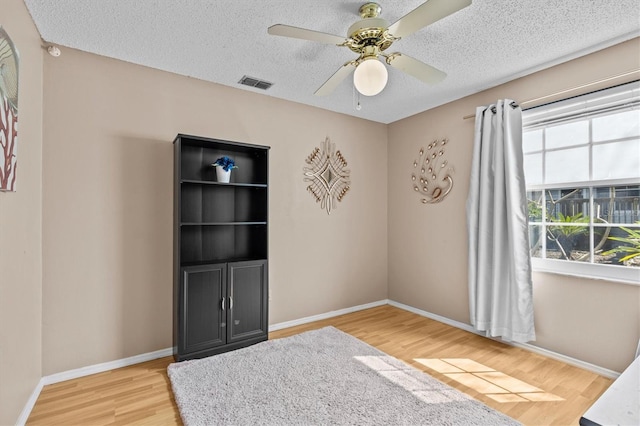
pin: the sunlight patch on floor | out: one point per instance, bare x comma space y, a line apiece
411, 379
494, 384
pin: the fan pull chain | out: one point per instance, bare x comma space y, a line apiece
356, 99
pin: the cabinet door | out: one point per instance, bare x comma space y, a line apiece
248, 296
202, 313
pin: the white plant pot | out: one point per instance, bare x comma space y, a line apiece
223, 176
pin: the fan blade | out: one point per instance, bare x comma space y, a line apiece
304, 34
336, 79
425, 14
415, 68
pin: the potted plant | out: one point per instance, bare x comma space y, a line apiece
567, 236
223, 167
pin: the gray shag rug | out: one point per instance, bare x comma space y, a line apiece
321, 377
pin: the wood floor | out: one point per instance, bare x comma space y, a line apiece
141, 394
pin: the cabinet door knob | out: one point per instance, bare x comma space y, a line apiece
230, 303
223, 303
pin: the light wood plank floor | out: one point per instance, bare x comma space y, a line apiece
141, 394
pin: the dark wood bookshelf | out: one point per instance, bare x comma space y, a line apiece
220, 247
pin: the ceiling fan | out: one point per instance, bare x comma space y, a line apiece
370, 37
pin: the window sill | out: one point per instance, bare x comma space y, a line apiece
618, 274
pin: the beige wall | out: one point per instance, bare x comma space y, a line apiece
107, 204
594, 321
21, 229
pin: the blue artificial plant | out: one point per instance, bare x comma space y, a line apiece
226, 163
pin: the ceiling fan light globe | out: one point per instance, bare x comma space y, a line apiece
370, 77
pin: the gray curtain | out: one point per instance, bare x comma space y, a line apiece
500, 289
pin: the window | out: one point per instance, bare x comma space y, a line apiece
582, 168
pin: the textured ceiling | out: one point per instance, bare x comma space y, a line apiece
481, 46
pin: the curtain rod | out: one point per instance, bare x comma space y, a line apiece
537, 101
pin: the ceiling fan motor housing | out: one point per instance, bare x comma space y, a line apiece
369, 32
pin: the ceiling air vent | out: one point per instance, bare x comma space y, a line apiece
254, 82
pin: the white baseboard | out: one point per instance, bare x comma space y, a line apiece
149, 356
105, 366
124, 362
331, 314
532, 348
439, 318
567, 359
85, 371
31, 402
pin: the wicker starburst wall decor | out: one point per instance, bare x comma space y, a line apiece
329, 179
431, 177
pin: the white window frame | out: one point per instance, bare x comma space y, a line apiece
565, 111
